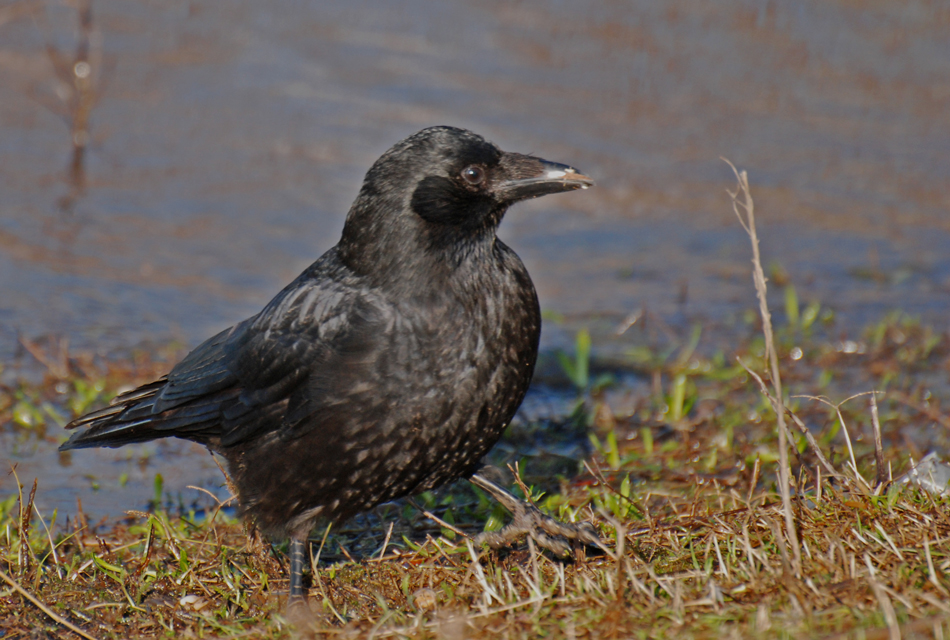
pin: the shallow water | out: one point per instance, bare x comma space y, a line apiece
227, 141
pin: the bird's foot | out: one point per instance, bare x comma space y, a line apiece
528, 520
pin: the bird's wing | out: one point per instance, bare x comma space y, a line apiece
250, 378
186, 402
296, 361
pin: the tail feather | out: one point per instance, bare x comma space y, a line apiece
132, 417
122, 402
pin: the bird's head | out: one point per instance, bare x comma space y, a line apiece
445, 188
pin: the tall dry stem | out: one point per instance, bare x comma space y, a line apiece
746, 206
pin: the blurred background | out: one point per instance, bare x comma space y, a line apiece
165, 168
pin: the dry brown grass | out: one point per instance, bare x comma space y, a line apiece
694, 560
685, 490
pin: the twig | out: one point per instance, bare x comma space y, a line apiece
798, 423
844, 428
49, 536
628, 322
42, 607
878, 446
755, 479
314, 562
439, 521
386, 542
24, 552
203, 490
516, 472
594, 469
758, 277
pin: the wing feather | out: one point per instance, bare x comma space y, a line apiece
256, 376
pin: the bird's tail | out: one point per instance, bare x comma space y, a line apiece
129, 418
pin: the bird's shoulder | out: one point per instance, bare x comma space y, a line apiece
323, 304
325, 314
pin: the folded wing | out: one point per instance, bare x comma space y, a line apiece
255, 377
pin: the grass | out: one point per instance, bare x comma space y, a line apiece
682, 481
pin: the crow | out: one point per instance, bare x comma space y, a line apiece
390, 366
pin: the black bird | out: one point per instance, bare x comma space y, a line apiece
389, 367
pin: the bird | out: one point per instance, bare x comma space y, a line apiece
389, 367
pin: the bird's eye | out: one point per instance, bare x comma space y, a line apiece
474, 175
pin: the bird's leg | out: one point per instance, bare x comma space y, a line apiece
528, 520
297, 544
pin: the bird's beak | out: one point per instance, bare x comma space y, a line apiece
543, 177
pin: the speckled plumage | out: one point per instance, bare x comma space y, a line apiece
409, 393
388, 367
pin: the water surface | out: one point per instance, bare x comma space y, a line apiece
228, 139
